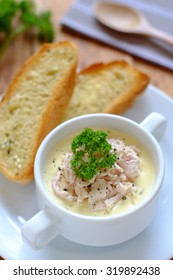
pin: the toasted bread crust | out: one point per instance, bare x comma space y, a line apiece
106, 87
45, 105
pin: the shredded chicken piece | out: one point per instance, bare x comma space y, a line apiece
107, 187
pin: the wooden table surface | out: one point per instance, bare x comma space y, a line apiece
90, 51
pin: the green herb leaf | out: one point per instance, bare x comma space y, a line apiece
8, 9
17, 16
91, 153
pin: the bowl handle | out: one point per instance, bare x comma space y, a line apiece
155, 123
40, 229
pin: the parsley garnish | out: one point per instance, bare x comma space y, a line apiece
91, 153
18, 16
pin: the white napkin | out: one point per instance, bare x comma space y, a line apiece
80, 18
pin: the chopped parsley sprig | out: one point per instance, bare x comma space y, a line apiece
92, 153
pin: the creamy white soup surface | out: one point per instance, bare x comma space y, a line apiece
143, 182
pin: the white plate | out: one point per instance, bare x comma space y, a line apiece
18, 203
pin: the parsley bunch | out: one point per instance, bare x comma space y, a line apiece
91, 153
17, 16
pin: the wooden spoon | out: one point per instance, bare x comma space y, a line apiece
128, 20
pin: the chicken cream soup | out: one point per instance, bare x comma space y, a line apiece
114, 189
